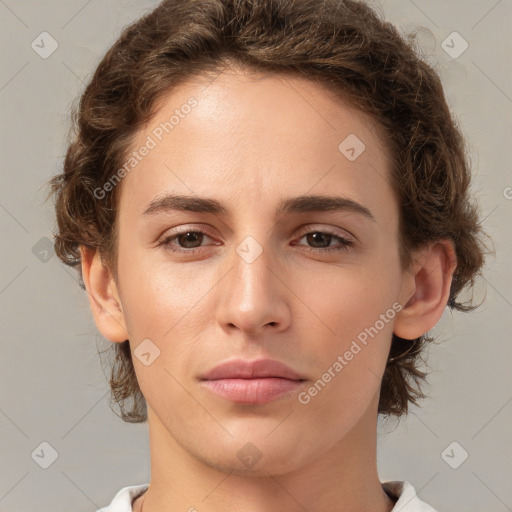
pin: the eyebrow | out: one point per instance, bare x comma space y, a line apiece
299, 204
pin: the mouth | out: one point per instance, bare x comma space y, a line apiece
252, 382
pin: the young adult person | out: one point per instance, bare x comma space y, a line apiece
268, 205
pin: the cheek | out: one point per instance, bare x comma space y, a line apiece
354, 311
348, 300
162, 303
350, 363
159, 298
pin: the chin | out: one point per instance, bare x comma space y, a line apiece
276, 465
259, 455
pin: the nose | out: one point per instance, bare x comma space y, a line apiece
255, 296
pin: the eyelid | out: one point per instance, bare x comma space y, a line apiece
336, 231
304, 229
346, 243
184, 228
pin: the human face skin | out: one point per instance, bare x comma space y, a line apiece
251, 142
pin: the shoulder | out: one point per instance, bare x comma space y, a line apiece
122, 501
408, 500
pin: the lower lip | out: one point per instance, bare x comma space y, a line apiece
252, 391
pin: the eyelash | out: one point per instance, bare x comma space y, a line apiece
346, 244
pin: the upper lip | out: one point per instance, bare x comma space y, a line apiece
243, 369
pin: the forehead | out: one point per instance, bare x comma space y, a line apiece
247, 134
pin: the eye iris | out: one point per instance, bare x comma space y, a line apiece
317, 238
190, 237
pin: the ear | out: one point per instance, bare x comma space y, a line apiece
426, 289
103, 296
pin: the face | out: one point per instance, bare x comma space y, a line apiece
259, 273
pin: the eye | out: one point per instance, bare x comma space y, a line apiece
321, 241
188, 240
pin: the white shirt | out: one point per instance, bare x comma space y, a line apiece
408, 500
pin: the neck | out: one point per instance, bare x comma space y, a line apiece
342, 478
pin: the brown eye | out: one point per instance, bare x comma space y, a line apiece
321, 241
190, 239
187, 241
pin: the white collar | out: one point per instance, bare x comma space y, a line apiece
408, 500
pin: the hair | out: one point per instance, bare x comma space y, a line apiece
342, 44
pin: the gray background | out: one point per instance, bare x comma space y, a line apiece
53, 388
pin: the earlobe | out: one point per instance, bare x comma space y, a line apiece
103, 296
426, 290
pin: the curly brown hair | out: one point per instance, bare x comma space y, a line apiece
342, 44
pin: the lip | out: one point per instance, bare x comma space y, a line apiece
252, 382
243, 369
